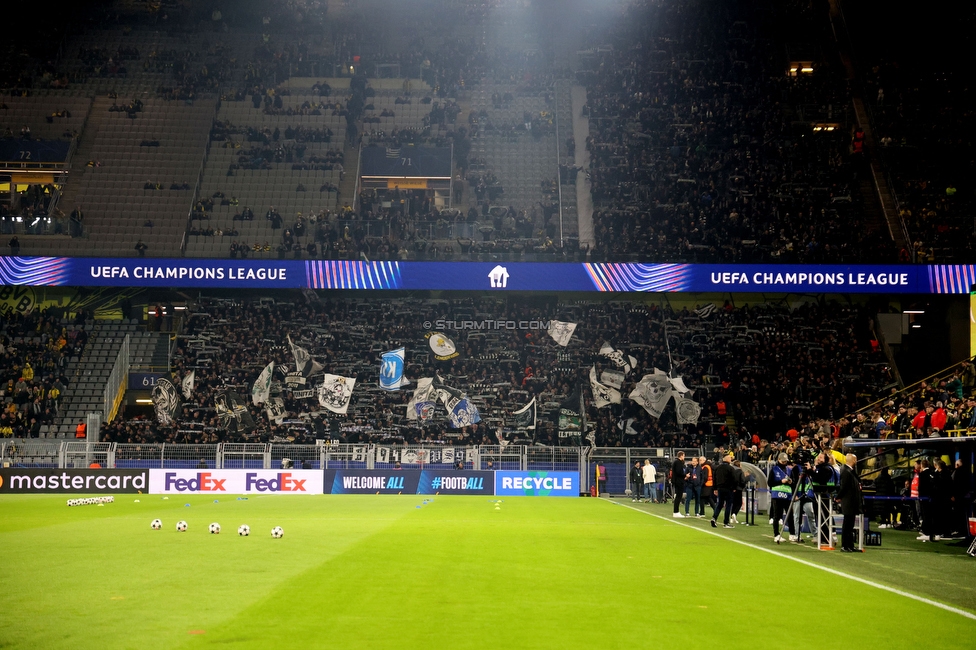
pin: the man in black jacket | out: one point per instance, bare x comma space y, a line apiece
926, 502
961, 496
678, 481
849, 495
725, 483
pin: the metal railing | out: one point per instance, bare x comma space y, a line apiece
115, 386
72, 454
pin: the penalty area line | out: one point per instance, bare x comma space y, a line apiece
814, 565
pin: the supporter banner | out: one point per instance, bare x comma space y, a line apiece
476, 276
235, 481
371, 481
537, 484
74, 481
456, 482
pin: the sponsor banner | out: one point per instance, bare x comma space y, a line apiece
477, 276
537, 484
456, 482
371, 481
235, 481
74, 481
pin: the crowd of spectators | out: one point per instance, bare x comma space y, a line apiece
36, 349
702, 148
734, 361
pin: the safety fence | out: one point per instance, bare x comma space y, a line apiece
69, 454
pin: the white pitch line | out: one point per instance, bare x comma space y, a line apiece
865, 581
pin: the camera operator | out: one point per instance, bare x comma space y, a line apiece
780, 492
803, 496
825, 477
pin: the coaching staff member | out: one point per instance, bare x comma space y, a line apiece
678, 481
849, 495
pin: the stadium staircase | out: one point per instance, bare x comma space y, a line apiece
118, 210
567, 195
88, 378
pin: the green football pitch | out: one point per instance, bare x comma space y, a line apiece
379, 571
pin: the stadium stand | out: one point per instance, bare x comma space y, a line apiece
41, 353
732, 360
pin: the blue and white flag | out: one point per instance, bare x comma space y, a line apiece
462, 413
421, 405
391, 370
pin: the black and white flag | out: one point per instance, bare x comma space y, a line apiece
304, 363
166, 402
525, 416
688, 411
187, 384
602, 395
336, 392
561, 332
627, 427
653, 393
706, 310
232, 411
612, 378
624, 362
275, 408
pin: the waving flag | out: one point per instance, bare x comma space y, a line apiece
421, 405
261, 390
561, 332
166, 401
304, 363
653, 393
336, 392
188, 382
233, 413
688, 411
525, 416
442, 347
624, 362
391, 370
602, 395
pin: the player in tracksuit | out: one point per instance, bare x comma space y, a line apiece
780, 493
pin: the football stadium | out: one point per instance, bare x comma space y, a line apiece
487, 323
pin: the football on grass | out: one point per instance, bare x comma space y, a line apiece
214, 528
181, 526
277, 532
243, 530
156, 524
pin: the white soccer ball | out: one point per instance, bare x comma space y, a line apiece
181, 526
214, 528
71, 502
277, 532
243, 530
156, 524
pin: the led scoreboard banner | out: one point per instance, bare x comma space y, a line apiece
491, 276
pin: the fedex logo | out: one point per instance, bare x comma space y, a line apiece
204, 482
283, 482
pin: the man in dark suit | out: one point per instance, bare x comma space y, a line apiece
678, 481
849, 495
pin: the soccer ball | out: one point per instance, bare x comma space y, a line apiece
156, 524
181, 526
214, 528
277, 532
243, 530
